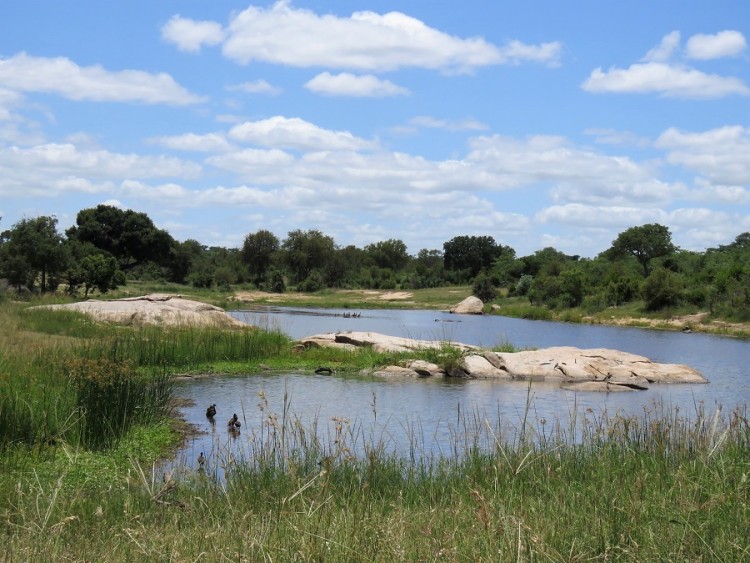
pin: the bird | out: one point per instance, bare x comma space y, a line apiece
201, 460
211, 411
234, 423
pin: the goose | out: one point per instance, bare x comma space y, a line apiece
201, 460
211, 411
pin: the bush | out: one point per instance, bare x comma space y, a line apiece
660, 290
484, 289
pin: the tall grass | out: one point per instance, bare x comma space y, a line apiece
658, 487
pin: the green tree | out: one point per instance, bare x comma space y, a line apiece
483, 288
389, 254
305, 251
644, 243
470, 253
258, 252
661, 289
129, 236
34, 251
98, 271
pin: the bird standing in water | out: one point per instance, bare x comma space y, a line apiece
211, 411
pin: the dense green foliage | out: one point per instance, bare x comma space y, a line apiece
642, 265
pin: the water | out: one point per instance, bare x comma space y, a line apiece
424, 417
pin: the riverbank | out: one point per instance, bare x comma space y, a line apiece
662, 486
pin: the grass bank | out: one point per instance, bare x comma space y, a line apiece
84, 417
655, 488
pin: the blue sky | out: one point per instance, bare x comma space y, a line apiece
540, 123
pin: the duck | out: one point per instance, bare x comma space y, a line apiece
201, 460
211, 411
234, 423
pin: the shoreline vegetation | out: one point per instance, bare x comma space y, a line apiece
87, 412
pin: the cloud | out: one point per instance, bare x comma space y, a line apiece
594, 216
664, 50
210, 142
467, 124
720, 155
92, 83
516, 52
9, 100
53, 168
723, 44
360, 86
190, 35
296, 133
256, 87
365, 41
664, 79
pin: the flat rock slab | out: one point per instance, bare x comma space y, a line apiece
154, 309
376, 341
596, 369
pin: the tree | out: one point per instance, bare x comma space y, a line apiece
644, 243
258, 251
304, 251
661, 289
33, 250
390, 254
483, 288
98, 271
131, 237
471, 253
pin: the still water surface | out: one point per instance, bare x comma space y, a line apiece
425, 417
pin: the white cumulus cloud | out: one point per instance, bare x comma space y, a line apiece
296, 133
723, 44
664, 79
190, 35
62, 76
352, 85
365, 41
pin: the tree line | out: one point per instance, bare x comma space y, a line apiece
108, 245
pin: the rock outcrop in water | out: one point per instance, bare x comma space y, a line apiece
469, 306
596, 369
154, 309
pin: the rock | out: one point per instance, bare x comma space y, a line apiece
469, 306
396, 371
378, 342
480, 368
574, 364
155, 309
596, 369
426, 369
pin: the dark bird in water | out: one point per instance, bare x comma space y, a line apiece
324, 371
234, 423
201, 460
211, 411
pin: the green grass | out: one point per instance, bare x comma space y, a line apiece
652, 488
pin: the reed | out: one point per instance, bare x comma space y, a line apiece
662, 486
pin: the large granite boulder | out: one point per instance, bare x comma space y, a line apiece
154, 309
596, 369
469, 306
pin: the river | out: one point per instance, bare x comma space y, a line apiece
427, 417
